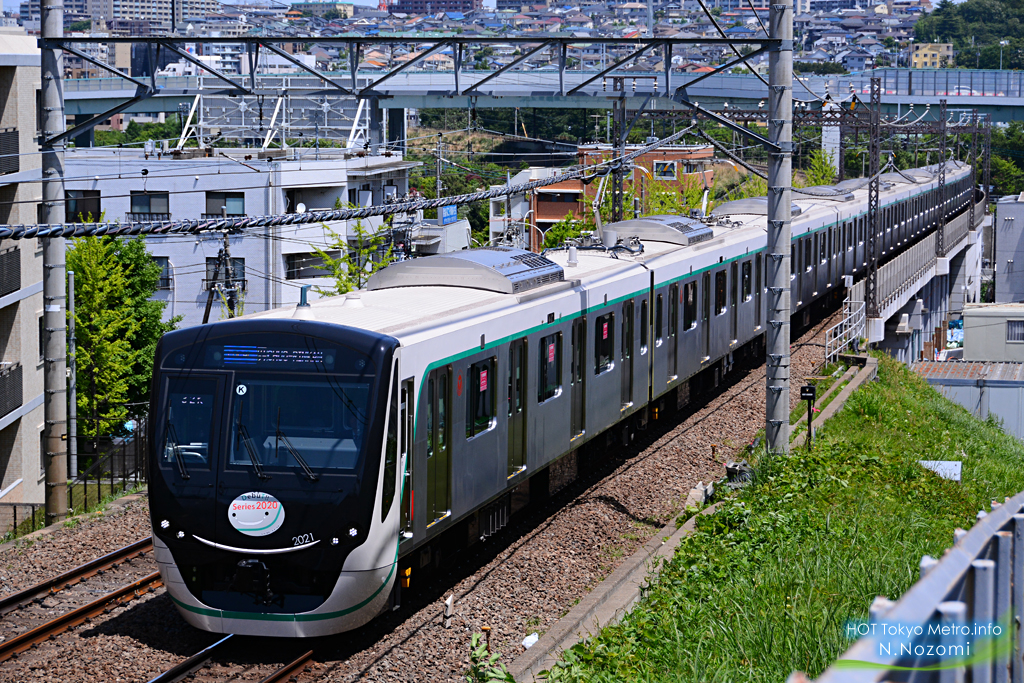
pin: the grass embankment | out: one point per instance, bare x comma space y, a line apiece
765, 585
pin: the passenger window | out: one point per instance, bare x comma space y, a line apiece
430, 417
689, 306
794, 259
643, 327
549, 379
746, 281
658, 320
387, 492
604, 342
442, 412
480, 397
720, 302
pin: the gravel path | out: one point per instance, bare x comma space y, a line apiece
516, 589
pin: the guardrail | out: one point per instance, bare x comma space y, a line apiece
10, 387
839, 337
977, 585
10, 159
10, 270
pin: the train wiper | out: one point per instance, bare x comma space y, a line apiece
280, 436
250, 449
172, 437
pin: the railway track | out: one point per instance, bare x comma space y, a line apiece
38, 592
52, 628
202, 659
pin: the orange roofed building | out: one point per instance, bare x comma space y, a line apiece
535, 212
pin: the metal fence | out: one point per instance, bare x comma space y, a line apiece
119, 466
840, 336
978, 582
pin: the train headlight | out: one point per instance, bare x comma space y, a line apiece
165, 524
334, 541
353, 532
181, 534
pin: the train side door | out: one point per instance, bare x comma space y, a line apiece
438, 444
734, 300
516, 407
627, 353
673, 331
705, 316
577, 375
406, 408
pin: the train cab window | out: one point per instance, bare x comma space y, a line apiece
746, 288
720, 300
689, 306
549, 377
186, 434
659, 321
604, 343
387, 493
643, 327
480, 397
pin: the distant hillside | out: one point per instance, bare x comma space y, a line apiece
975, 28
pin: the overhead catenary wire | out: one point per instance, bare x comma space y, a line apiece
587, 173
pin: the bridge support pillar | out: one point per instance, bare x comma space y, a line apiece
396, 129
87, 138
376, 127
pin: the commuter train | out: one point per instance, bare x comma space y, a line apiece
303, 461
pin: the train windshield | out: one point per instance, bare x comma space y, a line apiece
290, 402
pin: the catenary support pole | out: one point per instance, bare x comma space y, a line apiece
780, 132
72, 382
54, 286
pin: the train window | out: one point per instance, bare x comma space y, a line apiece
387, 492
746, 293
720, 300
442, 412
190, 420
808, 259
794, 259
689, 306
480, 397
604, 343
658, 320
822, 246
430, 417
549, 379
643, 327
673, 310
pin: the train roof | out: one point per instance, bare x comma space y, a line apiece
446, 288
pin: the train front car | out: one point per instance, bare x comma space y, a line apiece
273, 475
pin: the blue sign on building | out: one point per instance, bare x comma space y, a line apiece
449, 214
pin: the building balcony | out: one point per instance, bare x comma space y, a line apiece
10, 162
10, 387
10, 270
146, 217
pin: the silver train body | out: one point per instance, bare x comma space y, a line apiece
505, 362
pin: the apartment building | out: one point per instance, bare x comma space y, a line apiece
932, 55
21, 276
268, 265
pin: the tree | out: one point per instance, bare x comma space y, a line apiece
567, 228
84, 25
117, 329
821, 170
104, 330
352, 267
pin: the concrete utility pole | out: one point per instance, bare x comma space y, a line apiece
72, 382
780, 176
54, 286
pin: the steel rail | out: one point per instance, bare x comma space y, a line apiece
183, 670
291, 670
76, 575
13, 646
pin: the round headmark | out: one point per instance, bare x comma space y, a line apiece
256, 513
